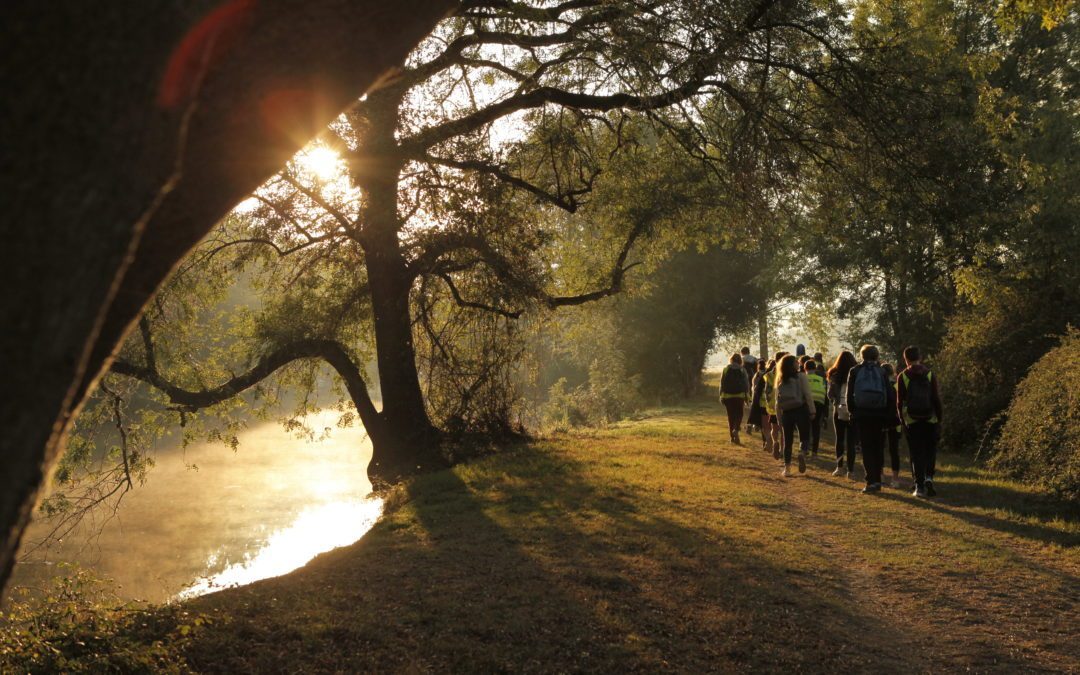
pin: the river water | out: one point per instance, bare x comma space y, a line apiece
209, 517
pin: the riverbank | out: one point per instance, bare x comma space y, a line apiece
656, 545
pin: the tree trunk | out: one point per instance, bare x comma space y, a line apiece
763, 333
111, 182
414, 443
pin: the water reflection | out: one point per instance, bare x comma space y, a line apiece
318, 529
186, 524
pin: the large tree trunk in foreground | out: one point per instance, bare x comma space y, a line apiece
415, 439
109, 179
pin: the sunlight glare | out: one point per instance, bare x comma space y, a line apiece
316, 530
321, 161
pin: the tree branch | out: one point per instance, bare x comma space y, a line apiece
329, 350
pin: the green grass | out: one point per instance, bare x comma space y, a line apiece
656, 545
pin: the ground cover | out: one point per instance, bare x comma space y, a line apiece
655, 544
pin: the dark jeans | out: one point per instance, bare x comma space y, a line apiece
815, 425
789, 419
734, 413
872, 440
922, 446
894, 447
845, 442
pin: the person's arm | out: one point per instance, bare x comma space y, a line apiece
851, 391
746, 389
901, 396
935, 397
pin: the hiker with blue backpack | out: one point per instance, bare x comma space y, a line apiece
871, 402
919, 406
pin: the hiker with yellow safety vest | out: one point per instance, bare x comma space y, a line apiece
817, 391
734, 394
919, 406
757, 388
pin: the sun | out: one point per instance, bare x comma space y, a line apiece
321, 161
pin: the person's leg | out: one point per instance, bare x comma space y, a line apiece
777, 435
872, 440
916, 434
788, 420
894, 454
731, 419
932, 432
815, 426
802, 420
736, 414
852, 444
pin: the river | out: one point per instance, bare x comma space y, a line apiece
208, 517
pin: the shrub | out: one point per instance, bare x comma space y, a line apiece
1040, 441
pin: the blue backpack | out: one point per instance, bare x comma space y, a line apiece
870, 388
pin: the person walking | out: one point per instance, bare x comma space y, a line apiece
734, 394
871, 400
795, 406
822, 370
892, 433
818, 389
757, 388
837, 377
749, 362
776, 430
919, 406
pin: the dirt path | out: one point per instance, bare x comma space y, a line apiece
963, 590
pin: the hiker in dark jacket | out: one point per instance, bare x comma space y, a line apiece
734, 394
871, 401
919, 407
757, 387
845, 430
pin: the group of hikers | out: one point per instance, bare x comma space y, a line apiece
871, 406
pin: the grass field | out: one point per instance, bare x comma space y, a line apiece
657, 545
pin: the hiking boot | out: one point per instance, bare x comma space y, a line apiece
802, 463
919, 492
839, 471
929, 487
787, 471
871, 488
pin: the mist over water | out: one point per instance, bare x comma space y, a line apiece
239, 516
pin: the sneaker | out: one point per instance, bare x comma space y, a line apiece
787, 471
839, 471
851, 474
930, 491
735, 439
871, 488
919, 493
776, 452
802, 463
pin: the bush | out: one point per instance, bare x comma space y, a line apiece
1040, 441
77, 626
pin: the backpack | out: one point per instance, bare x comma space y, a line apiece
919, 396
790, 395
870, 388
732, 382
